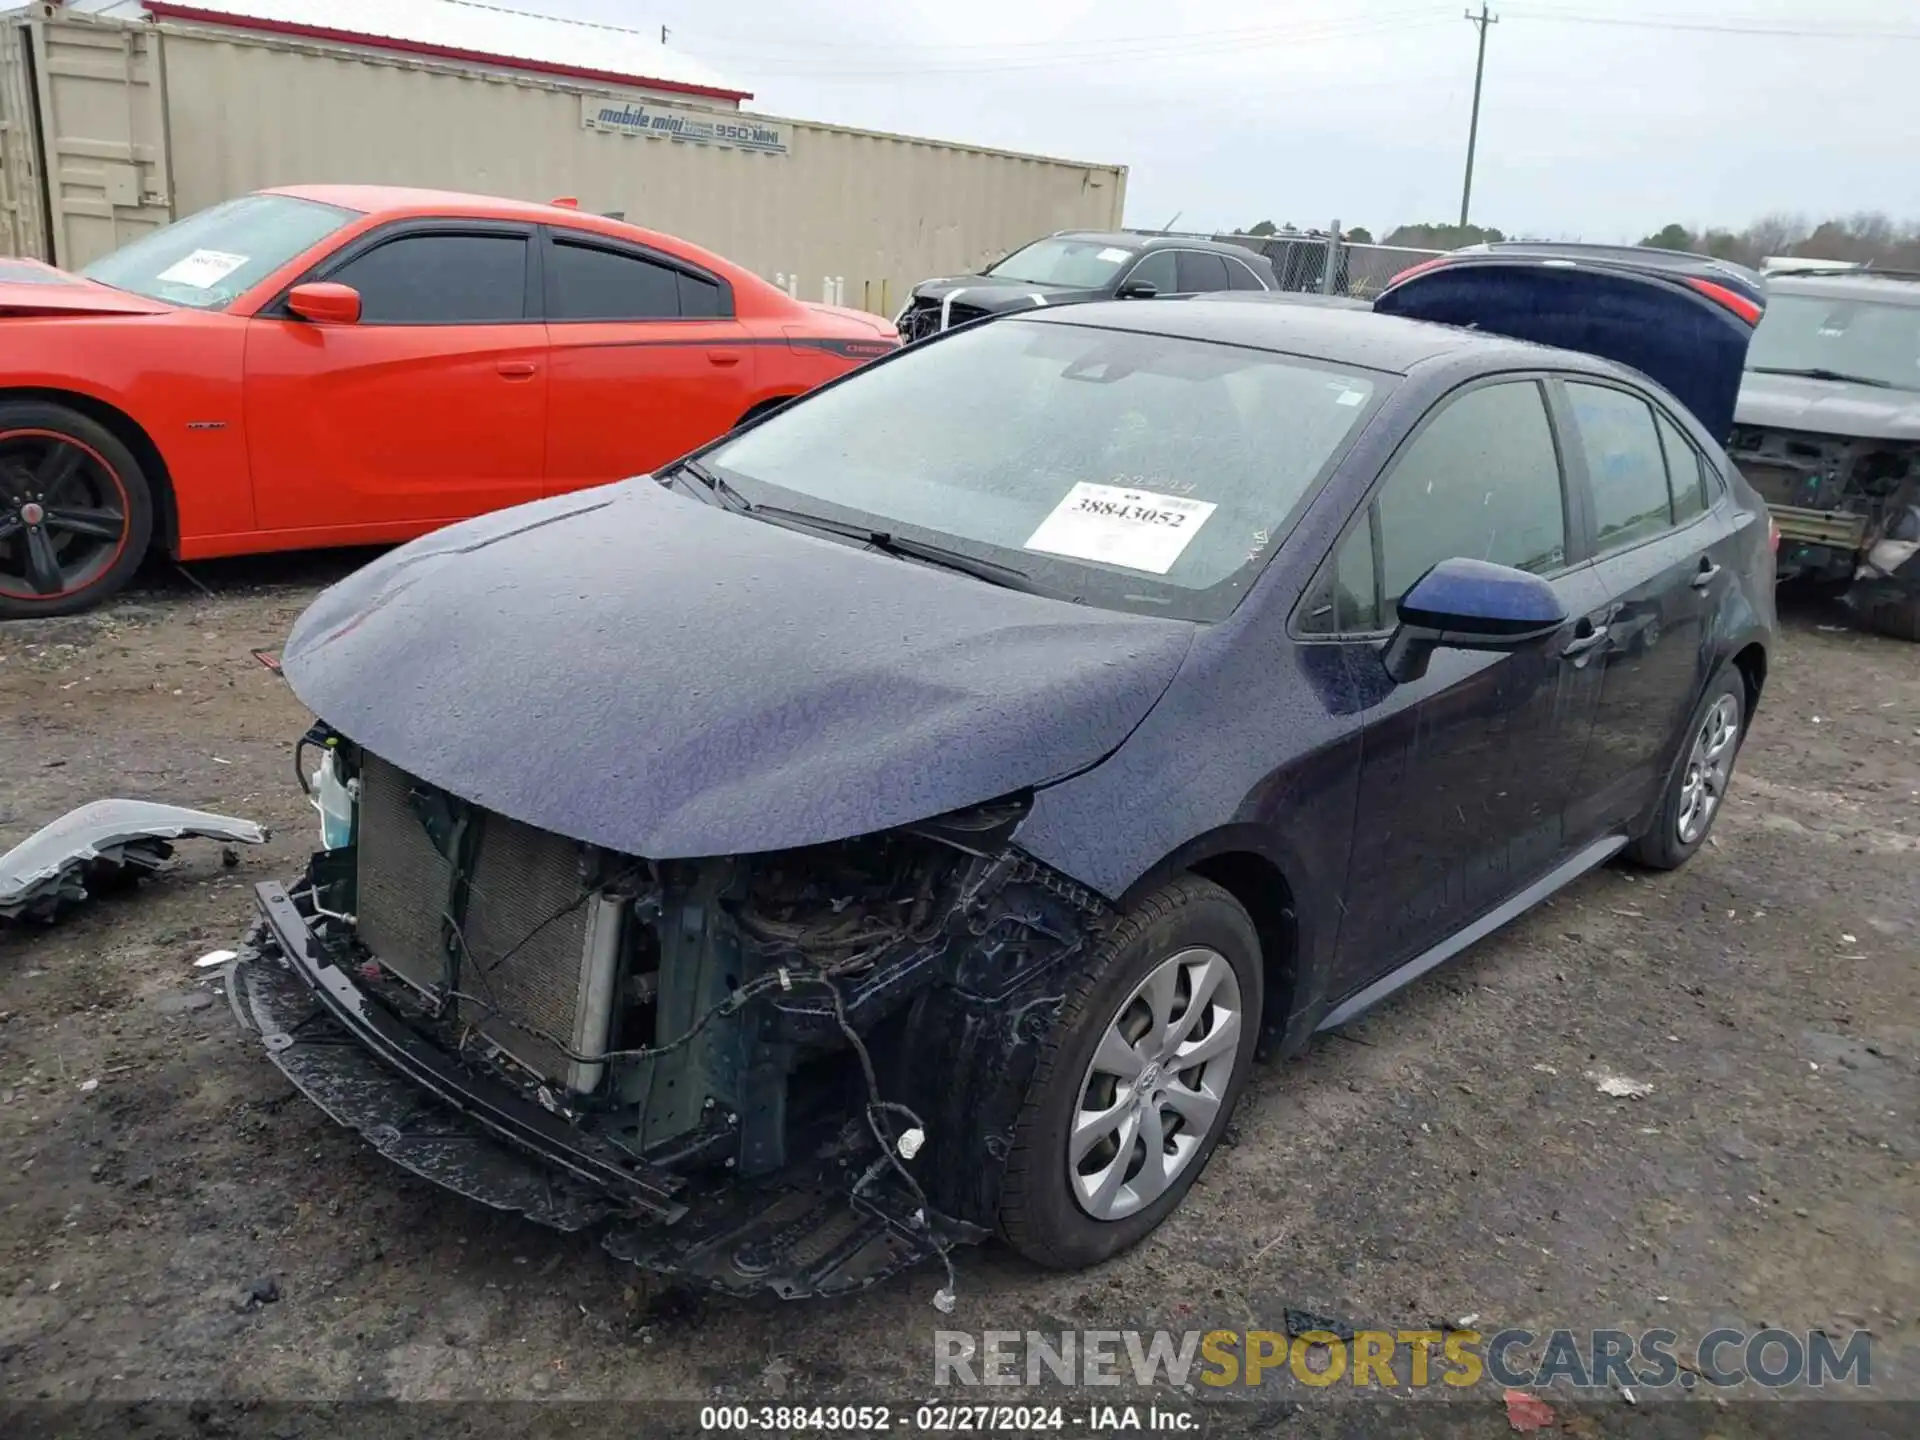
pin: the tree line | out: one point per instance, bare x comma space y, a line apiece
1866, 238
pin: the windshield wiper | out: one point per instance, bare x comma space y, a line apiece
729, 497
1818, 373
905, 547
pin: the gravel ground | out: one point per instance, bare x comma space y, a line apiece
1448, 1155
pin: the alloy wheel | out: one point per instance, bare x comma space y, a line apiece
63, 514
1156, 1085
1709, 766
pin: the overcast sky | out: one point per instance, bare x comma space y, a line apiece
1236, 111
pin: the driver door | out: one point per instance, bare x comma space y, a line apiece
1466, 773
432, 408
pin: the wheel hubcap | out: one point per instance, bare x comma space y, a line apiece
1709, 766
63, 515
1155, 1087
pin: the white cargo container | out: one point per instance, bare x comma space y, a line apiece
110, 125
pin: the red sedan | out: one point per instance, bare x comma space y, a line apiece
354, 365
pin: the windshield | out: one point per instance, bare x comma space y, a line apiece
1134, 472
1866, 339
1071, 264
208, 260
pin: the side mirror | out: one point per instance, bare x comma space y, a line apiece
1469, 605
325, 304
1137, 290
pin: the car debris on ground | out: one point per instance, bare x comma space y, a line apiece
103, 844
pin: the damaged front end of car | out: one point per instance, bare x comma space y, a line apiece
792, 1071
1847, 510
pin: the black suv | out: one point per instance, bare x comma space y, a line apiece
1079, 265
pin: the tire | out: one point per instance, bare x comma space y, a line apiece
1711, 745
1901, 621
76, 513
1043, 1211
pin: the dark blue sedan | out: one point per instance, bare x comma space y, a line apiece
902, 821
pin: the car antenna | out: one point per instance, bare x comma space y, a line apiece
1167, 229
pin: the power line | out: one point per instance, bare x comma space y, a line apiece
1111, 52
1711, 27
991, 48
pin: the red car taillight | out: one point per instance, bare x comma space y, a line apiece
1727, 299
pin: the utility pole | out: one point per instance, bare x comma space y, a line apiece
1480, 22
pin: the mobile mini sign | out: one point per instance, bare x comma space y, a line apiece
726, 130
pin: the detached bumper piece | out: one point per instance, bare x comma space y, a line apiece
798, 1235
106, 843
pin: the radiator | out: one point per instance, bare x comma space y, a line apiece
538, 951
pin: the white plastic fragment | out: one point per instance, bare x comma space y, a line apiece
911, 1142
87, 1087
1620, 1087
213, 958
944, 1300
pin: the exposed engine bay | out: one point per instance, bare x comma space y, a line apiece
1848, 509
749, 1067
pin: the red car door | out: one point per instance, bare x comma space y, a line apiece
431, 407
647, 359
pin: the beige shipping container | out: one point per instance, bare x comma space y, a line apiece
139, 122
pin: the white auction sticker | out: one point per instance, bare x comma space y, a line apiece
1136, 529
203, 269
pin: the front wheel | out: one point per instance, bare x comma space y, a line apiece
75, 511
1699, 784
1137, 1078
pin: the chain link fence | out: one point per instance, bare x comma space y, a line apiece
1300, 261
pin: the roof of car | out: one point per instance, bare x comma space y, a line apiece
402, 201
1336, 333
1888, 287
411, 200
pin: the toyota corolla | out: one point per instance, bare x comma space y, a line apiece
904, 821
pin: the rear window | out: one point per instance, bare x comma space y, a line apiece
1137, 472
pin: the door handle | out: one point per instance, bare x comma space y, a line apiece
1705, 576
1584, 640
517, 369
723, 357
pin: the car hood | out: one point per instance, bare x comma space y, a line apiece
637, 669
1828, 407
28, 287
1643, 310
998, 296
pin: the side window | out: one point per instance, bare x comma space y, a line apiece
1625, 467
585, 282
440, 280
1199, 272
1239, 277
1482, 481
701, 299
1686, 472
1342, 601
1156, 270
